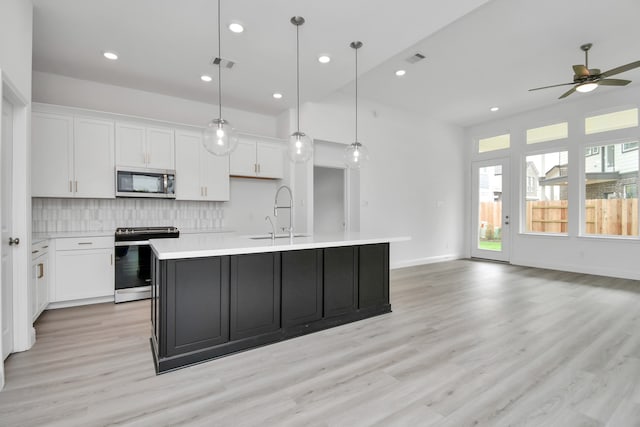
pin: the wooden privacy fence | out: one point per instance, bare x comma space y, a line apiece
612, 216
618, 217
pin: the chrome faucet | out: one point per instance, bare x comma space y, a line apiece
273, 228
290, 207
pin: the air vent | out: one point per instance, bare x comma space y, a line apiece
415, 58
226, 63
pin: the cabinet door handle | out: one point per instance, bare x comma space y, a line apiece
70, 187
85, 243
76, 186
40, 271
259, 168
206, 191
111, 257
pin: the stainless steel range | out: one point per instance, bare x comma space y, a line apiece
133, 260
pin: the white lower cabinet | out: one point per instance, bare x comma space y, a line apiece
83, 268
40, 273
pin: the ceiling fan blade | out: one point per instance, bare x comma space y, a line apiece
567, 93
581, 71
621, 69
547, 87
614, 82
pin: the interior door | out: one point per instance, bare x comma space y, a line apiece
490, 211
6, 258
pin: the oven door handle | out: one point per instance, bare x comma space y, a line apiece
133, 243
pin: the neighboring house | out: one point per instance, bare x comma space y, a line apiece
612, 171
533, 177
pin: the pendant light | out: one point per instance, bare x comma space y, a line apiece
300, 144
219, 137
356, 154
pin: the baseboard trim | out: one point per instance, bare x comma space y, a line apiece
423, 261
75, 303
596, 271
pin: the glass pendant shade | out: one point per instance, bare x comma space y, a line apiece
300, 147
355, 155
220, 138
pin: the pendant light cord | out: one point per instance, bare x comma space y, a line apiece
356, 94
219, 68
298, 73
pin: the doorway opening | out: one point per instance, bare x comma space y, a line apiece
329, 200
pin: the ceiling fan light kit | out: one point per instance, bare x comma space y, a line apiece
588, 79
220, 138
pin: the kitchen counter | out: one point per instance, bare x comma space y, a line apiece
207, 245
217, 294
38, 237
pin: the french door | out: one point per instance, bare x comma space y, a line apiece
490, 210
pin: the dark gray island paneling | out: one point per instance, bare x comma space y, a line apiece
203, 308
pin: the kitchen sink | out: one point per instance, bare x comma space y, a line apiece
278, 236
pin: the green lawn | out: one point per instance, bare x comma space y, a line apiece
490, 245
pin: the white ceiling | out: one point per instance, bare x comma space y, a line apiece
479, 53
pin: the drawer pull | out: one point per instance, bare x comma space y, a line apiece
45, 247
85, 243
35, 252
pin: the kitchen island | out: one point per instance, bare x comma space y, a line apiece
214, 295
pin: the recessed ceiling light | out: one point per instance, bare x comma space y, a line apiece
494, 109
277, 95
400, 73
324, 59
234, 27
205, 78
110, 55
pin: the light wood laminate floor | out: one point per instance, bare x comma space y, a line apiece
468, 343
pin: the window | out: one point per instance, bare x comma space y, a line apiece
591, 151
611, 190
494, 143
548, 133
611, 121
629, 146
546, 192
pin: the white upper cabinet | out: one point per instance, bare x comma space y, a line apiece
257, 158
160, 148
94, 158
199, 174
51, 155
140, 146
270, 159
72, 157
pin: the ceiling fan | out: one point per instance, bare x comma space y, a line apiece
586, 79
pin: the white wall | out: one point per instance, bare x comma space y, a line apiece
16, 22
414, 183
595, 255
61, 90
16, 28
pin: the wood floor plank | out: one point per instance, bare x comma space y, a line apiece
467, 343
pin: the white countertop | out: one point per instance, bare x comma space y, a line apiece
206, 245
39, 237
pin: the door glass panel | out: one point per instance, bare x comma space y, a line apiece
490, 208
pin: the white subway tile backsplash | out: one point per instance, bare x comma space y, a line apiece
58, 215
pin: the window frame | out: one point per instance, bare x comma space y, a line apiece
604, 142
557, 146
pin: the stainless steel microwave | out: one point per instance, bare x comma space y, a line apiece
143, 182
